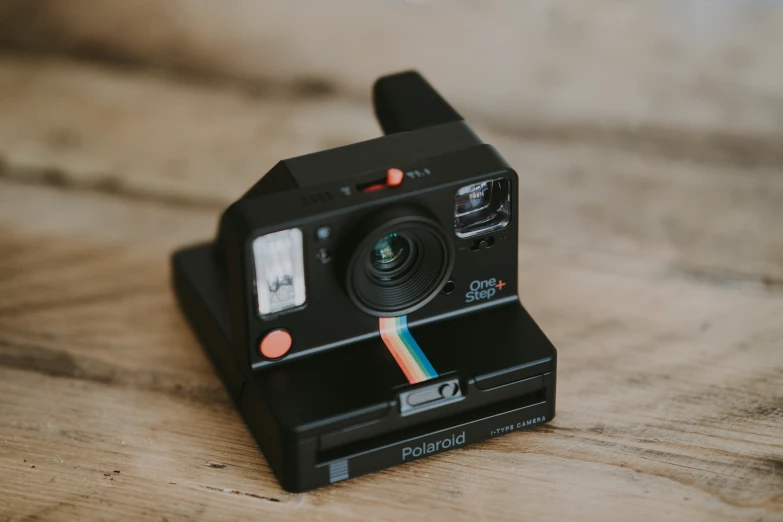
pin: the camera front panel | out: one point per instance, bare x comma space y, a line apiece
353, 255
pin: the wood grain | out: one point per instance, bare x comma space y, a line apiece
641, 193
697, 64
653, 262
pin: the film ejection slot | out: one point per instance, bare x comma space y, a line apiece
432, 396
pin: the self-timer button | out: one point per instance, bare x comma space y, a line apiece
276, 344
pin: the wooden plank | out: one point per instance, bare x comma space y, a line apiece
706, 65
190, 143
668, 400
705, 206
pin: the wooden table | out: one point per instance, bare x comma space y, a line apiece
653, 258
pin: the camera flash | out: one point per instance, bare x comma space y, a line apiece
279, 262
482, 207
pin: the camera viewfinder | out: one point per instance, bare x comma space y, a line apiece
482, 207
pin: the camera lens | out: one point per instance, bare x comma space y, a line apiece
389, 252
404, 269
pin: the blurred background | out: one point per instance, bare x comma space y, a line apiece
637, 125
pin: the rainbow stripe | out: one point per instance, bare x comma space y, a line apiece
411, 360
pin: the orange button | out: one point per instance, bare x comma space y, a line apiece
276, 344
394, 177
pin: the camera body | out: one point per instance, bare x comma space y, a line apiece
416, 229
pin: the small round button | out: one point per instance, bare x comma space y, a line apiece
323, 233
323, 255
276, 344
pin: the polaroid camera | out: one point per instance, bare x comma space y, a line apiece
360, 304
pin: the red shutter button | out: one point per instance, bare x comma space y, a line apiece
276, 344
394, 177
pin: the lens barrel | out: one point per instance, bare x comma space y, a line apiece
401, 258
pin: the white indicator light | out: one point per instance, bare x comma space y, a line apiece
279, 262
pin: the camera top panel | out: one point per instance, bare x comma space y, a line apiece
336, 164
281, 201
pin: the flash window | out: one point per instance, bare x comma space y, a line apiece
279, 263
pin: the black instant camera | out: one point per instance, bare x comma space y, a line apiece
360, 303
